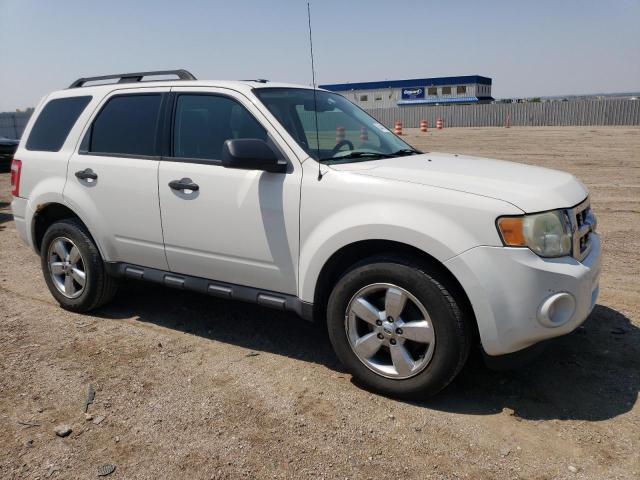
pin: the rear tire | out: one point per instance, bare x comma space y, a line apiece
73, 268
397, 328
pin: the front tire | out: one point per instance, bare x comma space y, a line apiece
397, 328
73, 268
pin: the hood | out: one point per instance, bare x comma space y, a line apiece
530, 188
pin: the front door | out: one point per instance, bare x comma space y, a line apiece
112, 179
239, 226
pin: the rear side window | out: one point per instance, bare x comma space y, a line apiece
55, 122
204, 122
127, 126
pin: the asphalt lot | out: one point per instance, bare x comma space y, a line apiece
187, 386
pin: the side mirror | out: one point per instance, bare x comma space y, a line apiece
251, 154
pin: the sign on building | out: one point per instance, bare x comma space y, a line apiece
412, 93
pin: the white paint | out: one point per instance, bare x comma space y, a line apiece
277, 231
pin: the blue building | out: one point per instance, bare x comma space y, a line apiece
441, 90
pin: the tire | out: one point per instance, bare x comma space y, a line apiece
99, 287
437, 351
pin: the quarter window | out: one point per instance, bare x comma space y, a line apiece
55, 122
204, 122
126, 125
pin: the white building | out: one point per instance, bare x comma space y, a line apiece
392, 93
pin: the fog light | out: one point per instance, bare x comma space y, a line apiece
557, 309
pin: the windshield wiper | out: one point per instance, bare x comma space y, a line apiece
405, 151
353, 155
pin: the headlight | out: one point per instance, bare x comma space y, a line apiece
547, 234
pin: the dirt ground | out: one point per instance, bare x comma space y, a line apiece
192, 387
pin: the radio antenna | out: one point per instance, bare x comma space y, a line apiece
315, 100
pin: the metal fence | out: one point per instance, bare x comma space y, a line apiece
570, 113
12, 124
537, 114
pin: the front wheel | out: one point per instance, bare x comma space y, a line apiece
397, 328
73, 268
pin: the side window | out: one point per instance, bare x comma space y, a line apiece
55, 122
126, 125
204, 122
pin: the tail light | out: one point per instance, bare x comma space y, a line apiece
16, 168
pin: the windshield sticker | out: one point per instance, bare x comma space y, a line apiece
381, 127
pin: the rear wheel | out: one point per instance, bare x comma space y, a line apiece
397, 328
73, 268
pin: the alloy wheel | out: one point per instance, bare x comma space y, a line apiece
390, 331
67, 267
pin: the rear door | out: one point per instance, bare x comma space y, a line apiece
112, 179
239, 226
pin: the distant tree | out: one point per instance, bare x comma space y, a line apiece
536, 100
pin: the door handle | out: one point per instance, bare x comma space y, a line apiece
184, 184
86, 174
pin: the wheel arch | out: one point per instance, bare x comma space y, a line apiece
46, 215
348, 255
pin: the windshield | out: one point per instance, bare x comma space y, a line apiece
345, 132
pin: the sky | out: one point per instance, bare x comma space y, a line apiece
532, 48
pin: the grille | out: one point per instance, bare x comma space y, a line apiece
583, 222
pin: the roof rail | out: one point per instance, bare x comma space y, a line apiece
134, 77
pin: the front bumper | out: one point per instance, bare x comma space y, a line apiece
512, 292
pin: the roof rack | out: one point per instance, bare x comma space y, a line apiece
257, 80
134, 77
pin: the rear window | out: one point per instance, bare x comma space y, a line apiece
55, 122
127, 126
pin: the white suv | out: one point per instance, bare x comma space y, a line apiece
298, 200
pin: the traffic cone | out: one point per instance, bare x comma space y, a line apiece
364, 136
